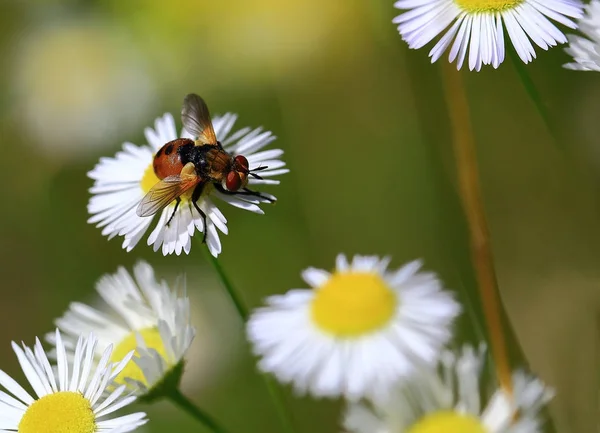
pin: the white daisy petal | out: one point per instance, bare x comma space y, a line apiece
477, 27
94, 382
63, 365
87, 363
42, 359
11, 402
241, 203
357, 331
121, 182
114, 395
77, 364
32, 372
14, 388
71, 410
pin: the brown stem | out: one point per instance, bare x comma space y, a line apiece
470, 192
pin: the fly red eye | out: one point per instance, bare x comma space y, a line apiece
242, 161
233, 181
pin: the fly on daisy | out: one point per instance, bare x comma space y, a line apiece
451, 400
73, 396
176, 177
478, 25
359, 328
144, 315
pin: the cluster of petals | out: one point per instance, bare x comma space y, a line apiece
452, 398
585, 49
76, 391
475, 32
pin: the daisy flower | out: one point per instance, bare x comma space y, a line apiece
73, 397
356, 331
451, 402
121, 182
146, 317
479, 26
585, 50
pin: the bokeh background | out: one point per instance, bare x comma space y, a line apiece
365, 129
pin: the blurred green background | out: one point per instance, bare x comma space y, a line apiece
365, 131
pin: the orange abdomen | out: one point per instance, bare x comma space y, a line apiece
167, 161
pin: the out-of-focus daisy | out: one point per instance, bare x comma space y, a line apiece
146, 317
479, 26
450, 400
121, 183
74, 397
78, 69
586, 50
356, 331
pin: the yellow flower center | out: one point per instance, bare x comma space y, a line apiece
62, 412
448, 422
149, 179
353, 304
487, 5
152, 338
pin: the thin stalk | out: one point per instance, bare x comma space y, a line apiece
480, 246
272, 387
236, 299
533, 93
189, 407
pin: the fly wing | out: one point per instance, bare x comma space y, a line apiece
164, 192
196, 119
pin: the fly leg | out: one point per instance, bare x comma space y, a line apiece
245, 191
195, 196
177, 201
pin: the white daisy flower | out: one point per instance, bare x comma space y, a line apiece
479, 26
356, 331
122, 181
73, 397
450, 401
146, 317
586, 50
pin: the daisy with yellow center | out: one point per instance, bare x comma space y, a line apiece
356, 331
478, 25
449, 400
71, 398
121, 182
146, 317
585, 50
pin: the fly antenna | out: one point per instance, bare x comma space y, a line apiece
259, 168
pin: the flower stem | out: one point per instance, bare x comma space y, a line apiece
470, 192
278, 401
272, 386
533, 93
233, 295
188, 406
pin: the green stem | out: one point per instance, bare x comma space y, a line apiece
233, 295
533, 92
272, 386
278, 401
188, 406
